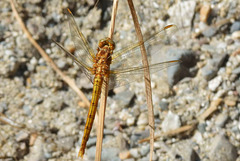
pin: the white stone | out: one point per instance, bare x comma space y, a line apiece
214, 83
171, 122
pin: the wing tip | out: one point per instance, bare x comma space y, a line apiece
176, 61
69, 10
170, 26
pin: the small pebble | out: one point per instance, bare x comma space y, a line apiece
214, 83
235, 26
171, 122
236, 35
222, 149
205, 12
142, 119
124, 155
22, 136
221, 119
230, 101
135, 153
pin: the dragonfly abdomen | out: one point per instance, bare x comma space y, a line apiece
98, 81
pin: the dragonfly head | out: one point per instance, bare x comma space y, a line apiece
106, 42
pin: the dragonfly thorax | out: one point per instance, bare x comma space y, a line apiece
106, 42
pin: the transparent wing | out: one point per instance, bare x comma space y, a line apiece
83, 67
127, 62
131, 55
121, 77
83, 50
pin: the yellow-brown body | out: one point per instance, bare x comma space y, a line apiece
101, 68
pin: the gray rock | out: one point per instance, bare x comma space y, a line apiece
182, 13
30, 67
53, 103
84, 82
236, 70
9, 67
90, 153
130, 121
202, 127
65, 143
142, 119
222, 149
214, 83
220, 93
144, 150
34, 61
154, 158
122, 143
208, 72
144, 158
163, 105
135, 153
92, 141
36, 151
110, 154
135, 137
36, 27
49, 148
211, 68
209, 32
171, 122
208, 48
124, 98
93, 18
184, 150
27, 109
62, 64
221, 119
22, 136
107, 154
235, 26
3, 107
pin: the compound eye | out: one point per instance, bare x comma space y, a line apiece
112, 44
101, 43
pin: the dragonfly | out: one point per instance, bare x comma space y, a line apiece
125, 64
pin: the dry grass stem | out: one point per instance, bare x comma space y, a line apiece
103, 100
188, 128
8, 121
50, 62
212, 108
183, 129
146, 77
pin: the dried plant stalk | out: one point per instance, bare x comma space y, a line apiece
181, 130
104, 93
146, 77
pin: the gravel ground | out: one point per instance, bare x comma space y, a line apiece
48, 118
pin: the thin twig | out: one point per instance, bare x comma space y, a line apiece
114, 13
104, 93
10, 122
181, 130
187, 128
50, 62
212, 108
146, 77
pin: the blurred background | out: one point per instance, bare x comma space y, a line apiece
196, 103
